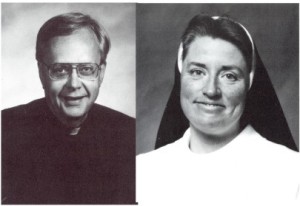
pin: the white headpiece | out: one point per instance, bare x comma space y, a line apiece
180, 50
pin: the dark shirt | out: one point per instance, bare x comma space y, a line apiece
43, 164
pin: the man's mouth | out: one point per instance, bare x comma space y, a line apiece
73, 100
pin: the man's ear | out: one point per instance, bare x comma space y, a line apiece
102, 71
41, 74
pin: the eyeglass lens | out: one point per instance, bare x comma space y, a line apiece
85, 71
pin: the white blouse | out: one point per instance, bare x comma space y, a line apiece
249, 170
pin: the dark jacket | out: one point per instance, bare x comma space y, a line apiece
42, 164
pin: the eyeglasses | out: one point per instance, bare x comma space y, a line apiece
87, 71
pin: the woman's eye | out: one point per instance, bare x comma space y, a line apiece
196, 72
231, 77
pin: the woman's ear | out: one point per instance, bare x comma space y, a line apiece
251, 76
252, 72
179, 58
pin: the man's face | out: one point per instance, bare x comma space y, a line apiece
214, 83
71, 98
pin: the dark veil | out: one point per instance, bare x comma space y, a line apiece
262, 110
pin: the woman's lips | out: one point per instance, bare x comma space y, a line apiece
210, 106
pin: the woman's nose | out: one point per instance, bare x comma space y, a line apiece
211, 88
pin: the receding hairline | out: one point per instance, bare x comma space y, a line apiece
68, 23
46, 46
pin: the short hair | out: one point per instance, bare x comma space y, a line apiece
66, 24
220, 27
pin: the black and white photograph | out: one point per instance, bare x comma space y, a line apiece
150, 104
218, 104
68, 103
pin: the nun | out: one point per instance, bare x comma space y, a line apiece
223, 138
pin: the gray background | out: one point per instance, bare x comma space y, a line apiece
20, 25
274, 28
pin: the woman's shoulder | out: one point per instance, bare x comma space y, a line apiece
258, 143
263, 153
172, 149
167, 156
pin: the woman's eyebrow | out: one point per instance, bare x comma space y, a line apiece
224, 67
231, 67
197, 64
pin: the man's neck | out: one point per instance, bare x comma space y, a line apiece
73, 122
202, 143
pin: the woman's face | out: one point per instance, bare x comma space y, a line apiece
214, 82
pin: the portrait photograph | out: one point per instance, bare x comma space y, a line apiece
217, 104
274, 28
68, 103
20, 25
141, 103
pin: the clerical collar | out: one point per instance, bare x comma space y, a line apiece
74, 131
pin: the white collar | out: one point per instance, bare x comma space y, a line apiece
185, 140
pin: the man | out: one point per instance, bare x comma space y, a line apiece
64, 148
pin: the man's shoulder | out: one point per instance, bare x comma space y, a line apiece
115, 130
19, 124
110, 123
100, 112
24, 112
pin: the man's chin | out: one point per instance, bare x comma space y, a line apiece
74, 115
73, 111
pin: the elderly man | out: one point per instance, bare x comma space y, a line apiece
64, 148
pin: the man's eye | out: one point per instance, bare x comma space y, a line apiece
60, 69
86, 70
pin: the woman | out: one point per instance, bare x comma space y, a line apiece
222, 157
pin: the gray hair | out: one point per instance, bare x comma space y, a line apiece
66, 24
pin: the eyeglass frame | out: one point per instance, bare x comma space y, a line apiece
74, 66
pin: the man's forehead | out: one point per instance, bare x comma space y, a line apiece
81, 45
82, 35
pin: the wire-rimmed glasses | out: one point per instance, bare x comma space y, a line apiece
87, 71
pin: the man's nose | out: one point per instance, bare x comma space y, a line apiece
74, 81
211, 88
